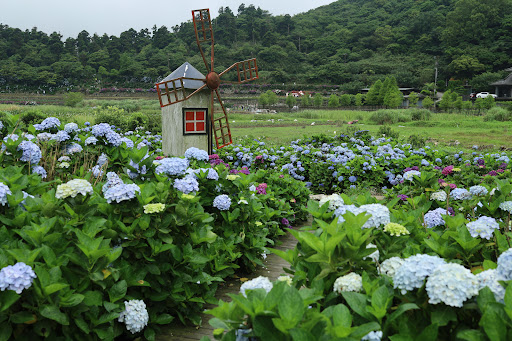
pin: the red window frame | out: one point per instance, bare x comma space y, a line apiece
195, 121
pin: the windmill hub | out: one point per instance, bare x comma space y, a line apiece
213, 80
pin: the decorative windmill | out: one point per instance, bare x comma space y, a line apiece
186, 82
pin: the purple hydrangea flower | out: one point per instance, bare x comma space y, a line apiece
4, 191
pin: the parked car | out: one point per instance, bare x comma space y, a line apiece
484, 95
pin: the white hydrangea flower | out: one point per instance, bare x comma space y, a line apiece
504, 268
373, 336
439, 196
451, 284
390, 266
379, 215
506, 206
375, 255
483, 227
350, 282
72, 188
286, 279
410, 175
489, 278
135, 316
256, 283
335, 201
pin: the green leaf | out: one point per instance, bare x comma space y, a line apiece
5, 331
301, 335
93, 298
493, 325
7, 298
22, 317
357, 302
442, 316
50, 289
72, 300
53, 313
428, 334
471, 335
264, 328
163, 319
149, 334
82, 325
118, 291
401, 309
290, 306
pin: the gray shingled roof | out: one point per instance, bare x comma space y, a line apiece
506, 81
185, 70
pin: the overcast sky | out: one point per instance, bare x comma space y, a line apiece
70, 17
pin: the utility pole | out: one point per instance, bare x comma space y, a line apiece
435, 83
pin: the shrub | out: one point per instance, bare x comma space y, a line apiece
383, 117
113, 116
498, 114
73, 98
420, 114
32, 116
334, 101
388, 132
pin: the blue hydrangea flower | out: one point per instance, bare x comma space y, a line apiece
352, 178
506, 206
340, 211
451, 284
39, 170
434, 218
172, 166
31, 152
61, 136
112, 180
91, 140
101, 129
483, 227
135, 316
460, 194
113, 138
17, 277
490, 278
73, 148
48, 123
414, 270
97, 171
478, 190
71, 127
222, 202
121, 192
4, 191
1, 125
186, 185
129, 143
196, 153
504, 268
102, 159
44, 137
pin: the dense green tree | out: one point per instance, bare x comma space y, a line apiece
372, 97
358, 99
305, 101
413, 99
427, 102
291, 101
334, 101
345, 100
318, 100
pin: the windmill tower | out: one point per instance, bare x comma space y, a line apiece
187, 98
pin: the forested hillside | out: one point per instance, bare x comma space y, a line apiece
350, 43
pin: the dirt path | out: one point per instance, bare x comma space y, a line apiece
273, 268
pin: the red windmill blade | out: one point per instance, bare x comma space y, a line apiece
173, 90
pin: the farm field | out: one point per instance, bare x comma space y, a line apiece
444, 129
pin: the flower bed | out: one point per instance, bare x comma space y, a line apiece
434, 264
101, 237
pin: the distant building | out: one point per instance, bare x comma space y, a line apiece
503, 88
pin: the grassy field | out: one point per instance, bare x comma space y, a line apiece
441, 129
